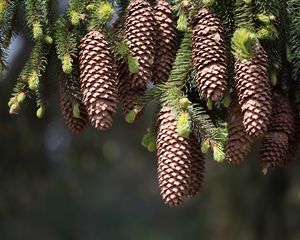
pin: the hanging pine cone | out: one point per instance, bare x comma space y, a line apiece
254, 92
180, 161
238, 143
127, 96
98, 79
209, 55
165, 41
75, 125
274, 151
140, 36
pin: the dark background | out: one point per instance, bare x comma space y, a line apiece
102, 185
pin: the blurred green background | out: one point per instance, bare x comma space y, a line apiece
55, 186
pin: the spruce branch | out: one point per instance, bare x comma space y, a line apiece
293, 11
37, 17
7, 15
244, 17
29, 80
206, 132
66, 44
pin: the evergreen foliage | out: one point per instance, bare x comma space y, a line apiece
273, 25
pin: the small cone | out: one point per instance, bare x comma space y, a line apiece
275, 148
75, 125
140, 35
209, 55
165, 41
238, 143
254, 92
98, 80
180, 161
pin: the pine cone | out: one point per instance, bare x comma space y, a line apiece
254, 92
127, 96
75, 125
98, 80
165, 41
274, 151
140, 36
209, 55
238, 143
180, 161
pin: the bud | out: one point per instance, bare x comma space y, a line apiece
33, 81
182, 22
91, 7
14, 109
184, 124
48, 39
263, 18
205, 146
37, 31
149, 141
219, 155
208, 3
105, 12
40, 112
152, 147
75, 18
184, 103
12, 100
21, 97
76, 111
209, 104
226, 100
273, 78
3, 6
67, 63
131, 115
242, 43
133, 64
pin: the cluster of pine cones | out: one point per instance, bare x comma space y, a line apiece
150, 33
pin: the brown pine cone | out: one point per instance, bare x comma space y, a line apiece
165, 41
238, 143
140, 35
209, 55
254, 92
274, 151
180, 161
98, 80
75, 125
127, 96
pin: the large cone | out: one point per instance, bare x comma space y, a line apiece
238, 143
274, 151
140, 35
254, 92
98, 80
209, 55
127, 95
75, 125
180, 161
165, 41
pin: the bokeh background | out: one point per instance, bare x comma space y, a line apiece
55, 186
